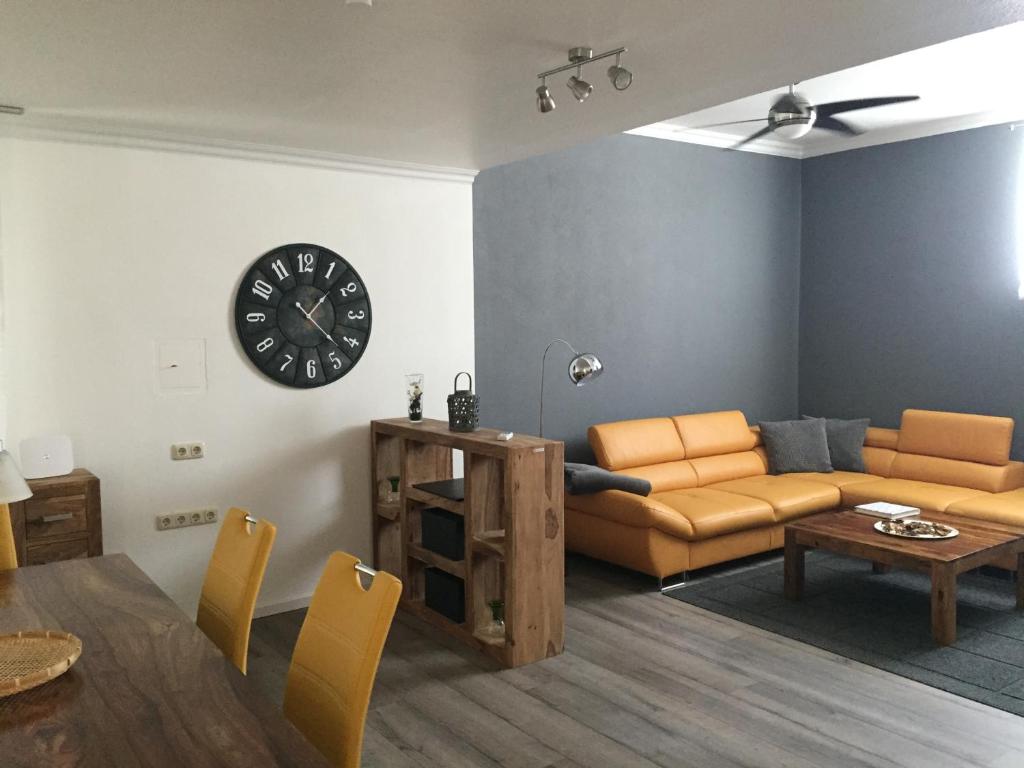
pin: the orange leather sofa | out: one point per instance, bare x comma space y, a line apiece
712, 499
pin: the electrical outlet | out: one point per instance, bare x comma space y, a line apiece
185, 451
201, 516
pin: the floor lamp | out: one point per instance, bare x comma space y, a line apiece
582, 368
12, 488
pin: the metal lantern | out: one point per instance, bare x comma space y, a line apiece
463, 407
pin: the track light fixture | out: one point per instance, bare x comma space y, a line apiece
580, 88
620, 77
544, 101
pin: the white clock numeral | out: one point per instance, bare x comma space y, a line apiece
279, 270
356, 315
352, 343
350, 288
255, 317
264, 345
335, 360
327, 274
263, 289
305, 262
288, 361
311, 369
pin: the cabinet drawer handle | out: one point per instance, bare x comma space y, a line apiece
57, 518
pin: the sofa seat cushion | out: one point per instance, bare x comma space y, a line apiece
788, 496
928, 496
1006, 508
839, 478
713, 513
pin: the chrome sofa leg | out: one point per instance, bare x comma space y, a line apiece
668, 583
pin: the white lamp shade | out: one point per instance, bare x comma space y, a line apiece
12, 485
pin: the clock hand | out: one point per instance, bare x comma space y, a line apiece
309, 317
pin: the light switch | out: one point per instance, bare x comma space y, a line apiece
181, 365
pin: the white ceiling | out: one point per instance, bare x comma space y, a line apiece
440, 82
963, 83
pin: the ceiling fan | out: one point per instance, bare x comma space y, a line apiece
792, 116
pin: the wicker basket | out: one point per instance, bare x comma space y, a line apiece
463, 407
29, 659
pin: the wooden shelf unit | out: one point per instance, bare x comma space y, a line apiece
513, 521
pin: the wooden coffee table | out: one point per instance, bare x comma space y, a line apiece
850, 533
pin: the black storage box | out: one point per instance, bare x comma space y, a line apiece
445, 594
444, 533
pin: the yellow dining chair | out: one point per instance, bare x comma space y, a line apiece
8, 555
336, 656
232, 582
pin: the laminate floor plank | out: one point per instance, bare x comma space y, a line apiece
507, 696
648, 681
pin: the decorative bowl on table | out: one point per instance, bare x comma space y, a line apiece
916, 529
31, 658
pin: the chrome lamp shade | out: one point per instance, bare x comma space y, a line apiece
585, 367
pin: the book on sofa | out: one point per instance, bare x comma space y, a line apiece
887, 511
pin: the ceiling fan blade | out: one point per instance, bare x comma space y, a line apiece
731, 122
751, 137
835, 107
835, 124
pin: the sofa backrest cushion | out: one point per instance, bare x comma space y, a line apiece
728, 466
712, 434
667, 476
878, 461
635, 443
966, 474
880, 437
962, 436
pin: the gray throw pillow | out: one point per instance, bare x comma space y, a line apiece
582, 479
796, 446
846, 442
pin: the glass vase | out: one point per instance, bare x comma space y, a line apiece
391, 491
414, 390
496, 627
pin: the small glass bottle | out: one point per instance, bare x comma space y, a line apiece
414, 390
391, 492
496, 627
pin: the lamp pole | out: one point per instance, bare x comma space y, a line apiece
582, 368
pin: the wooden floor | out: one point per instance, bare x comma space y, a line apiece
649, 681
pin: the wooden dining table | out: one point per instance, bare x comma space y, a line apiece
149, 688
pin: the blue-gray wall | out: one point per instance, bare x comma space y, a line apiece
679, 265
909, 279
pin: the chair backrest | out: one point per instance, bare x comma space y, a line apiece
8, 555
336, 656
232, 583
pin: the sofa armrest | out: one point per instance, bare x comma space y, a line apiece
632, 510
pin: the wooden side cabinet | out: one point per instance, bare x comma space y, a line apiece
513, 543
61, 521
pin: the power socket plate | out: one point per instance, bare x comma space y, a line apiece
187, 451
188, 518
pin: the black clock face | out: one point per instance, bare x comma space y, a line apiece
303, 315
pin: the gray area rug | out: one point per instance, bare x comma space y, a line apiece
883, 620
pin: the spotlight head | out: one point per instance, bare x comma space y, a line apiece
621, 77
545, 103
581, 89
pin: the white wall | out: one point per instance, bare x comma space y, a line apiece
107, 249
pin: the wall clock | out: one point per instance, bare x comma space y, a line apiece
303, 315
